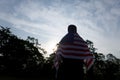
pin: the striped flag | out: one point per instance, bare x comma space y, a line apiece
74, 47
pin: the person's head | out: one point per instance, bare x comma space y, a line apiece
72, 28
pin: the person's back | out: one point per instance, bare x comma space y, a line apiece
72, 51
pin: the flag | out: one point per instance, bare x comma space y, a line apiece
74, 47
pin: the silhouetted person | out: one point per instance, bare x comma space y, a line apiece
70, 55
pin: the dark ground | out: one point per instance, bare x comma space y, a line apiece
24, 78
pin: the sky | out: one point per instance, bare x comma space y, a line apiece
48, 20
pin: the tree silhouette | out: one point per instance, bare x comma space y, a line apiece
91, 46
112, 67
18, 55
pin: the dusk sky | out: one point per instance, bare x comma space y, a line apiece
47, 20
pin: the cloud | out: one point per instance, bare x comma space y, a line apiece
97, 20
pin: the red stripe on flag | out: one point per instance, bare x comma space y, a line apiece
74, 44
75, 49
82, 55
89, 62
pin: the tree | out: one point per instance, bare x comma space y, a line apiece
49, 64
91, 46
18, 55
112, 67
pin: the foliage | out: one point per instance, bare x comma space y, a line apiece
18, 55
91, 46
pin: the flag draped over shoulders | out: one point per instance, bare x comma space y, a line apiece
72, 46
